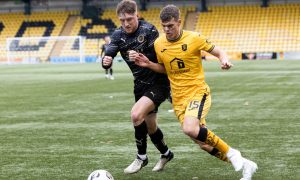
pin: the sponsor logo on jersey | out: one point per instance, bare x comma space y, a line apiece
178, 67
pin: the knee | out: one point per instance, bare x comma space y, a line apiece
136, 117
189, 131
191, 127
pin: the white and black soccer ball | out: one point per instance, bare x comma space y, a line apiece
100, 175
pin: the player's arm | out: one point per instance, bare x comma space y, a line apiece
141, 60
111, 51
222, 56
102, 51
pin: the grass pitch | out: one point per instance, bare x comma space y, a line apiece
64, 121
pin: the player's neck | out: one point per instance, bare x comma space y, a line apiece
177, 37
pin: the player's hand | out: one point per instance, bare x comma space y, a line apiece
225, 65
141, 60
132, 55
107, 60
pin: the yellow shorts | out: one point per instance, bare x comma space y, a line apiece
197, 106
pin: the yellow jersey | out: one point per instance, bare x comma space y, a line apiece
183, 63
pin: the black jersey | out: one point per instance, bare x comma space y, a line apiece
142, 40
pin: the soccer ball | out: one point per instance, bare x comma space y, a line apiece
100, 175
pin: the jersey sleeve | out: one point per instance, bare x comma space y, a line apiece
204, 43
156, 47
113, 48
102, 51
153, 35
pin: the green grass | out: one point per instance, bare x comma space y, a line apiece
64, 121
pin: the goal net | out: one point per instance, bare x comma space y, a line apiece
53, 49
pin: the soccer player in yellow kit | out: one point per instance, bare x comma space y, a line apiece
179, 55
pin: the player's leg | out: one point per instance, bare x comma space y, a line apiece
139, 111
155, 133
199, 108
146, 108
106, 74
180, 112
170, 100
111, 74
232, 155
158, 94
196, 111
212, 151
157, 138
111, 71
192, 129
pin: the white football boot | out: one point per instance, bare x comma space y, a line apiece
235, 158
136, 165
163, 161
249, 168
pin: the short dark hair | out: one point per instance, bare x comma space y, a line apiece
168, 12
126, 6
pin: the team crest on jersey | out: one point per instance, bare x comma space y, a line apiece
141, 38
184, 47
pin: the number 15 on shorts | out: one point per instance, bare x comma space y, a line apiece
194, 105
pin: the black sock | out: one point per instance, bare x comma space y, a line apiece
214, 152
202, 136
158, 140
111, 71
141, 138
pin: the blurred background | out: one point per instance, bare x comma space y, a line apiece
37, 31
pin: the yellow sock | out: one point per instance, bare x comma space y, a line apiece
222, 156
215, 152
216, 142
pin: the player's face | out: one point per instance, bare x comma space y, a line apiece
171, 28
129, 22
107, 39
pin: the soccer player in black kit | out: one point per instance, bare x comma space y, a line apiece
109, 71
150, 88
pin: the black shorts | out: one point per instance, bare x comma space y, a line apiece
157, 93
